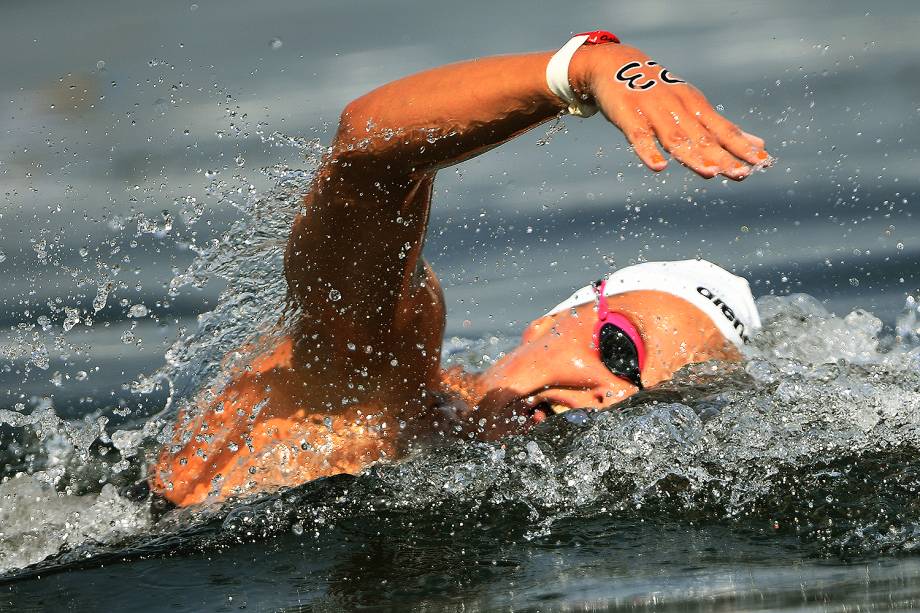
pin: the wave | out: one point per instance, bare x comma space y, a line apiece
815, 436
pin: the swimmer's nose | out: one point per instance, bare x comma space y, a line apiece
604, 395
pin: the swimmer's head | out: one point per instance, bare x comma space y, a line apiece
724, 298
594, 351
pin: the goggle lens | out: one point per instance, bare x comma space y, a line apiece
619, 344
619, 354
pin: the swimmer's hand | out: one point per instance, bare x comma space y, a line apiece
648, 103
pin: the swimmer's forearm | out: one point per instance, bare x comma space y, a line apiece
445, 115
442, 116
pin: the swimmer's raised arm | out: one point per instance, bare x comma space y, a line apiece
354, 262
442, 116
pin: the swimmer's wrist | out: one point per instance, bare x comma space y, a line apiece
582, 69
591, 64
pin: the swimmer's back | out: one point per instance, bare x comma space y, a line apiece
259, 433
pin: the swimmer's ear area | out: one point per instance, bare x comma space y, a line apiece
716, 347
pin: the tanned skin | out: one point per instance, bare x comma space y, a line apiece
357, 377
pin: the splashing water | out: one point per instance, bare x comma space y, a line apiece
816, 435
52, 502
249, 259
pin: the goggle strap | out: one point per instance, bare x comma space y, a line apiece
602, 310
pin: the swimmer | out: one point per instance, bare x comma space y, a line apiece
357, 377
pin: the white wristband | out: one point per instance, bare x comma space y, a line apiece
557, 77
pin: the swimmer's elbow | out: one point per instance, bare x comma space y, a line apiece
364, 152
353, 113
349, 141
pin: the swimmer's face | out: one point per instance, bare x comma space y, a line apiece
556, 367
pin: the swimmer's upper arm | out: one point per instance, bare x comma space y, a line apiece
354, 249
353, 253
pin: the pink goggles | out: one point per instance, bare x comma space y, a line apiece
619, 344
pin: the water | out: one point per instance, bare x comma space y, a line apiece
142, 225
790, 480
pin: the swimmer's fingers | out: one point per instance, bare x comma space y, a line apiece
642, 138
692, 145
627, 112
708, 146
748, 148
754, 140
745, 146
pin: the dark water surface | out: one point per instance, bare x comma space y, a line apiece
151, 158
659, 565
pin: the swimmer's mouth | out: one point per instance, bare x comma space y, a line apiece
542, 408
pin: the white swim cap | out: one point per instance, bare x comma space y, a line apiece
724, 297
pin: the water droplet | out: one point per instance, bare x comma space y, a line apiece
2, 257
335, 295
71, 319
297, 529
100, 65
276, 43
193, 8
138, 310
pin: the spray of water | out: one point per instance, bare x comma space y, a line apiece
50, 498
816, 434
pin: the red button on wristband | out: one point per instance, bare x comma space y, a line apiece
599, 37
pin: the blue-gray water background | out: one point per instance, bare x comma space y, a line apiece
118, 119
112, 110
